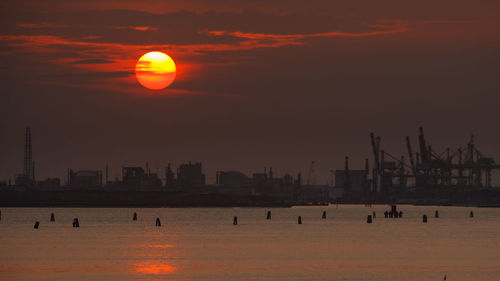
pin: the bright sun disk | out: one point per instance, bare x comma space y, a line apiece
155, 70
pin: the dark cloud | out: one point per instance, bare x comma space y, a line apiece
92, 61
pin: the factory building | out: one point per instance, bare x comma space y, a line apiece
259, 178
49, 183
358, 180
232, 178
190, 175
85, 178
136, 177
169, 177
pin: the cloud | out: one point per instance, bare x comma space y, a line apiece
261, 36
138, 28
114, 39
196, 41
41, 25
92, 61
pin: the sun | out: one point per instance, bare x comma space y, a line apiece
155, 70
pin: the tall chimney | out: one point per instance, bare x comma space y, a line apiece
28, 170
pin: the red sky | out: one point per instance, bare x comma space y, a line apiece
259, 83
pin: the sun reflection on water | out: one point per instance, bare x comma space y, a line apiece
161, 246
154, 267
156, 259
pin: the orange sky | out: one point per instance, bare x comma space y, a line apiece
279, 83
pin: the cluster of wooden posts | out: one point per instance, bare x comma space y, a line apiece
393, 213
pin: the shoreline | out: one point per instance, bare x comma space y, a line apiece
86, 205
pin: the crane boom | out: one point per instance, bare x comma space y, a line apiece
410, 153
375, 146
424, 155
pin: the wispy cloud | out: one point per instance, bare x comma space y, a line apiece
92, 61
41, 25
99, 56
267, 36
138, 28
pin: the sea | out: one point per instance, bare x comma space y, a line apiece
204, 244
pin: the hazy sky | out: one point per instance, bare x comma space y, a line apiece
259, 83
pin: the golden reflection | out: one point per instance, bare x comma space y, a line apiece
154, 267
156, 259
161, 246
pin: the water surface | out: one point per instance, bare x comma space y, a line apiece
203, 244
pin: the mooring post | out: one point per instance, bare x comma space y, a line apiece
394, 208
52, 217
369, 219
235, 220
324, 215
424, 219
36, 225
299, 220
158, 223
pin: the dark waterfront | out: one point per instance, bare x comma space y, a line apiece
460, 177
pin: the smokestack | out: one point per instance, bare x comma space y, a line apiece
29, 168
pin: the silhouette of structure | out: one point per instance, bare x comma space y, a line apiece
27, 178
461, 176
169, 177
425, 175
190, 175
29, 165
84, 179
136, 177
464, 168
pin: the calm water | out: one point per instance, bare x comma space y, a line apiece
202, 244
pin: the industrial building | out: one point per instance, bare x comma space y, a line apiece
427, 176
232, 178
136, 177
190, 175
84, 179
